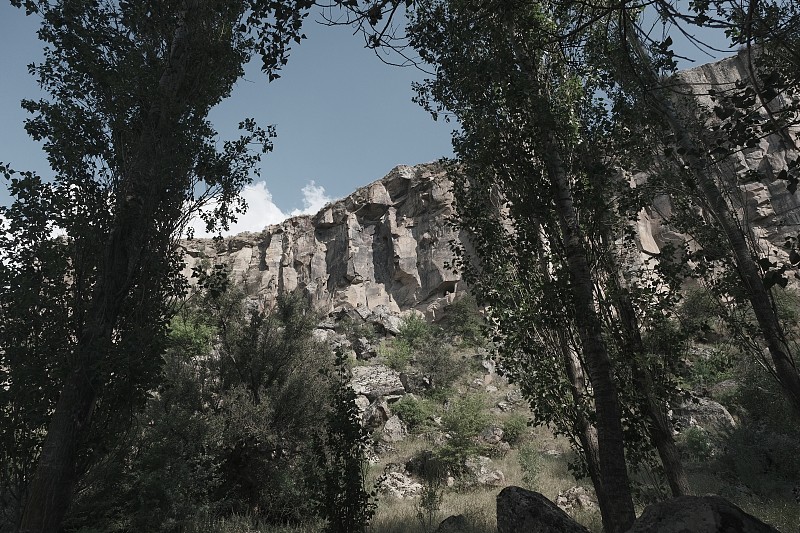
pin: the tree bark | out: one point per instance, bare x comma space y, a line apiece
658, 426
785, 367
746, 267
617, 509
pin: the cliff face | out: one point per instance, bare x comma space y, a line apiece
748, 178
386, 244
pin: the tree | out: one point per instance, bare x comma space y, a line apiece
699, 155
125, 130
521, 104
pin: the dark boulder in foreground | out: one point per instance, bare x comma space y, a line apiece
698, 514
525, 511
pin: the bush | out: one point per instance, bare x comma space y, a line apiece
413, 411
436, 360
699, 312
530, 462
515, 427
397, 353
415, 331
464, 320
698, 444
463, 421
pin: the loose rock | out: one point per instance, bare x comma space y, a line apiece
698, 514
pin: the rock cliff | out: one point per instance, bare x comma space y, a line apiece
749, 177
387, 244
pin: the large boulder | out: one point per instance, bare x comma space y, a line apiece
394, 430
480, 469
576, 498
525, 511
454, 524
399, 485
375, 381
698, 514
703, 413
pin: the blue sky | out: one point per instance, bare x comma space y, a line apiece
343, 118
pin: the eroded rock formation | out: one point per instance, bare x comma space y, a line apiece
387, 244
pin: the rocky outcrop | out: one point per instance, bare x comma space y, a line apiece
525, 511
698, 514
387, 244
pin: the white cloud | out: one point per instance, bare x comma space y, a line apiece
314, 199
262, 211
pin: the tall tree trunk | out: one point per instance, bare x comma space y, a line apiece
52, 487
614, 491
658, 426
617, 509
587, 433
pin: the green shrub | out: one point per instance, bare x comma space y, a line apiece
416, 331
397, 353
515, 427
413, 411
462, 421
530, 462
712, 367
698, 444
464, 319
437, 361
699, 312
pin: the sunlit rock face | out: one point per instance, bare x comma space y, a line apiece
386, 244
749, 178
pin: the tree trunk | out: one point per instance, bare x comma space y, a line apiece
614, 489
587, 433
51, 489
658, 426
617, 509
785, 367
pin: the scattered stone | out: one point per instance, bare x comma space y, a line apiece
453, 524
481, 471
376, 380
514, 396
491, 388
698, 514
525, 511
399, 485
364, 349
492, 434
362, 402
723, 388
576, 498
490, 366
414, 382
394, 430
382, 317
376, 413
504, 406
